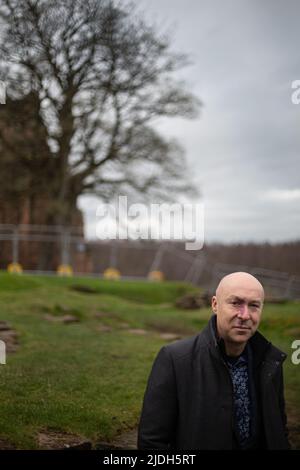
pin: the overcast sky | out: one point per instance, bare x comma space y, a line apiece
244, 150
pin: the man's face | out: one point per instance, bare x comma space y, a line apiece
238, 312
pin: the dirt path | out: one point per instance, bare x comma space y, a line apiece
127, 440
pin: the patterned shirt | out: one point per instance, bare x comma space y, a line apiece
238, 369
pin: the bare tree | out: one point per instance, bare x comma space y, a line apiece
102, 77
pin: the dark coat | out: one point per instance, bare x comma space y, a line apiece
188, 403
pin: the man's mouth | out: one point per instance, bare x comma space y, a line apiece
242, 327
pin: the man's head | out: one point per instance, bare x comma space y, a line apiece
238, 305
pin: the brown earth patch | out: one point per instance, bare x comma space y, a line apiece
6, 445
167, 327
51, 439
137, 331
126, 440
170, 336
63, 319
9, 336
84, 289
104, 328
193, 300
124, 325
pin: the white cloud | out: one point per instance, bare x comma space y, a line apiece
285, 195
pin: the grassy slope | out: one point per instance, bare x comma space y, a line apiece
79, 379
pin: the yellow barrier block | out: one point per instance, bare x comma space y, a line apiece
64, 270
156, 276
112, 274
15, 268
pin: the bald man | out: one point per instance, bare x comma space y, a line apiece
222, 388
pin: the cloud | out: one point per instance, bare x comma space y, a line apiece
284, 195
244, 151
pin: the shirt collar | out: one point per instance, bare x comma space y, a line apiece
243, 358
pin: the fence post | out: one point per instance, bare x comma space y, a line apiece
15, 245
2, 352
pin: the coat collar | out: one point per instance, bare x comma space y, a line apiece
262, 349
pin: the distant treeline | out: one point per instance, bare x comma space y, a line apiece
136, 259
284, 257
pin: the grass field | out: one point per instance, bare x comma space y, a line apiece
88, 377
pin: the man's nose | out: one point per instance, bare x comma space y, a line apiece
244, 312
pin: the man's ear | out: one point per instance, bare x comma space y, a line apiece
214, 304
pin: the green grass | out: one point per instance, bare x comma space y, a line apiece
76, 378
